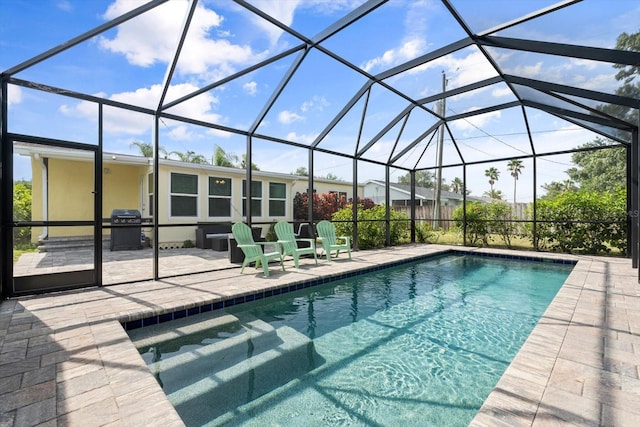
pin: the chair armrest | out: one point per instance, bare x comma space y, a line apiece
347, 239
268, 243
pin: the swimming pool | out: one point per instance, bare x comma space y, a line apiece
419, 344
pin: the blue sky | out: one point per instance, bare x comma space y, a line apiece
128, 63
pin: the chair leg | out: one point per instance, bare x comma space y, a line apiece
265, 267
244, 264
295, 260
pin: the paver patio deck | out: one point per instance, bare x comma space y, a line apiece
66, 360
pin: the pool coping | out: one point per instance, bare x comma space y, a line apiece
65, 357
135, 321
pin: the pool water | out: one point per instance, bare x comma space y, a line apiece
422, 344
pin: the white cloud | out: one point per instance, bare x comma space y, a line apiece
65, 5
151, 38
317, 102
286, 117
128, 122
503, 91
14, 95
305, 139
181, 133
527, 70
281, 10
477, 121
406, 51
250, 87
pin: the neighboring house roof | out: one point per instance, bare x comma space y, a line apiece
425, 193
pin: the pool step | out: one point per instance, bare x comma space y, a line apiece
197, 361
171, 336
286, 357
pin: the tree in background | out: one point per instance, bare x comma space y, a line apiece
190, 157
515, 167
555, 188
231, 160
493, 174
494, 194
222, 158
424, 179
599, 170
330, 176
146, 149
457, 186
301, 171
627, 75
22, 210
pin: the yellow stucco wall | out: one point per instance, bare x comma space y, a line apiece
70, 193
121, 187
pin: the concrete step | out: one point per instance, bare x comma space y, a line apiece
287, 356
171, 336
197, 361
58, 244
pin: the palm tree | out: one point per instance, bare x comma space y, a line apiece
222, 158
493, 174
457, 186
515, 167
494, 194
191, 157
243, 164
145, 148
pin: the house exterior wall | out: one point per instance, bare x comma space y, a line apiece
237, 177
129, 186
121, 187
70, 193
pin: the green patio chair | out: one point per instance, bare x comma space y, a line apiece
327, 236
289, 243
253, 252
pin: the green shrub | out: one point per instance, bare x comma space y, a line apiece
582, 221
425, 233
485, 220
501, 215
371, 225
476, 220
271, 234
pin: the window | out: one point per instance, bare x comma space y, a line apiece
256, 198
150, 187
277, 199
219, 196
184, 194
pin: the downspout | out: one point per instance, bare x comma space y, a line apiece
45, 196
